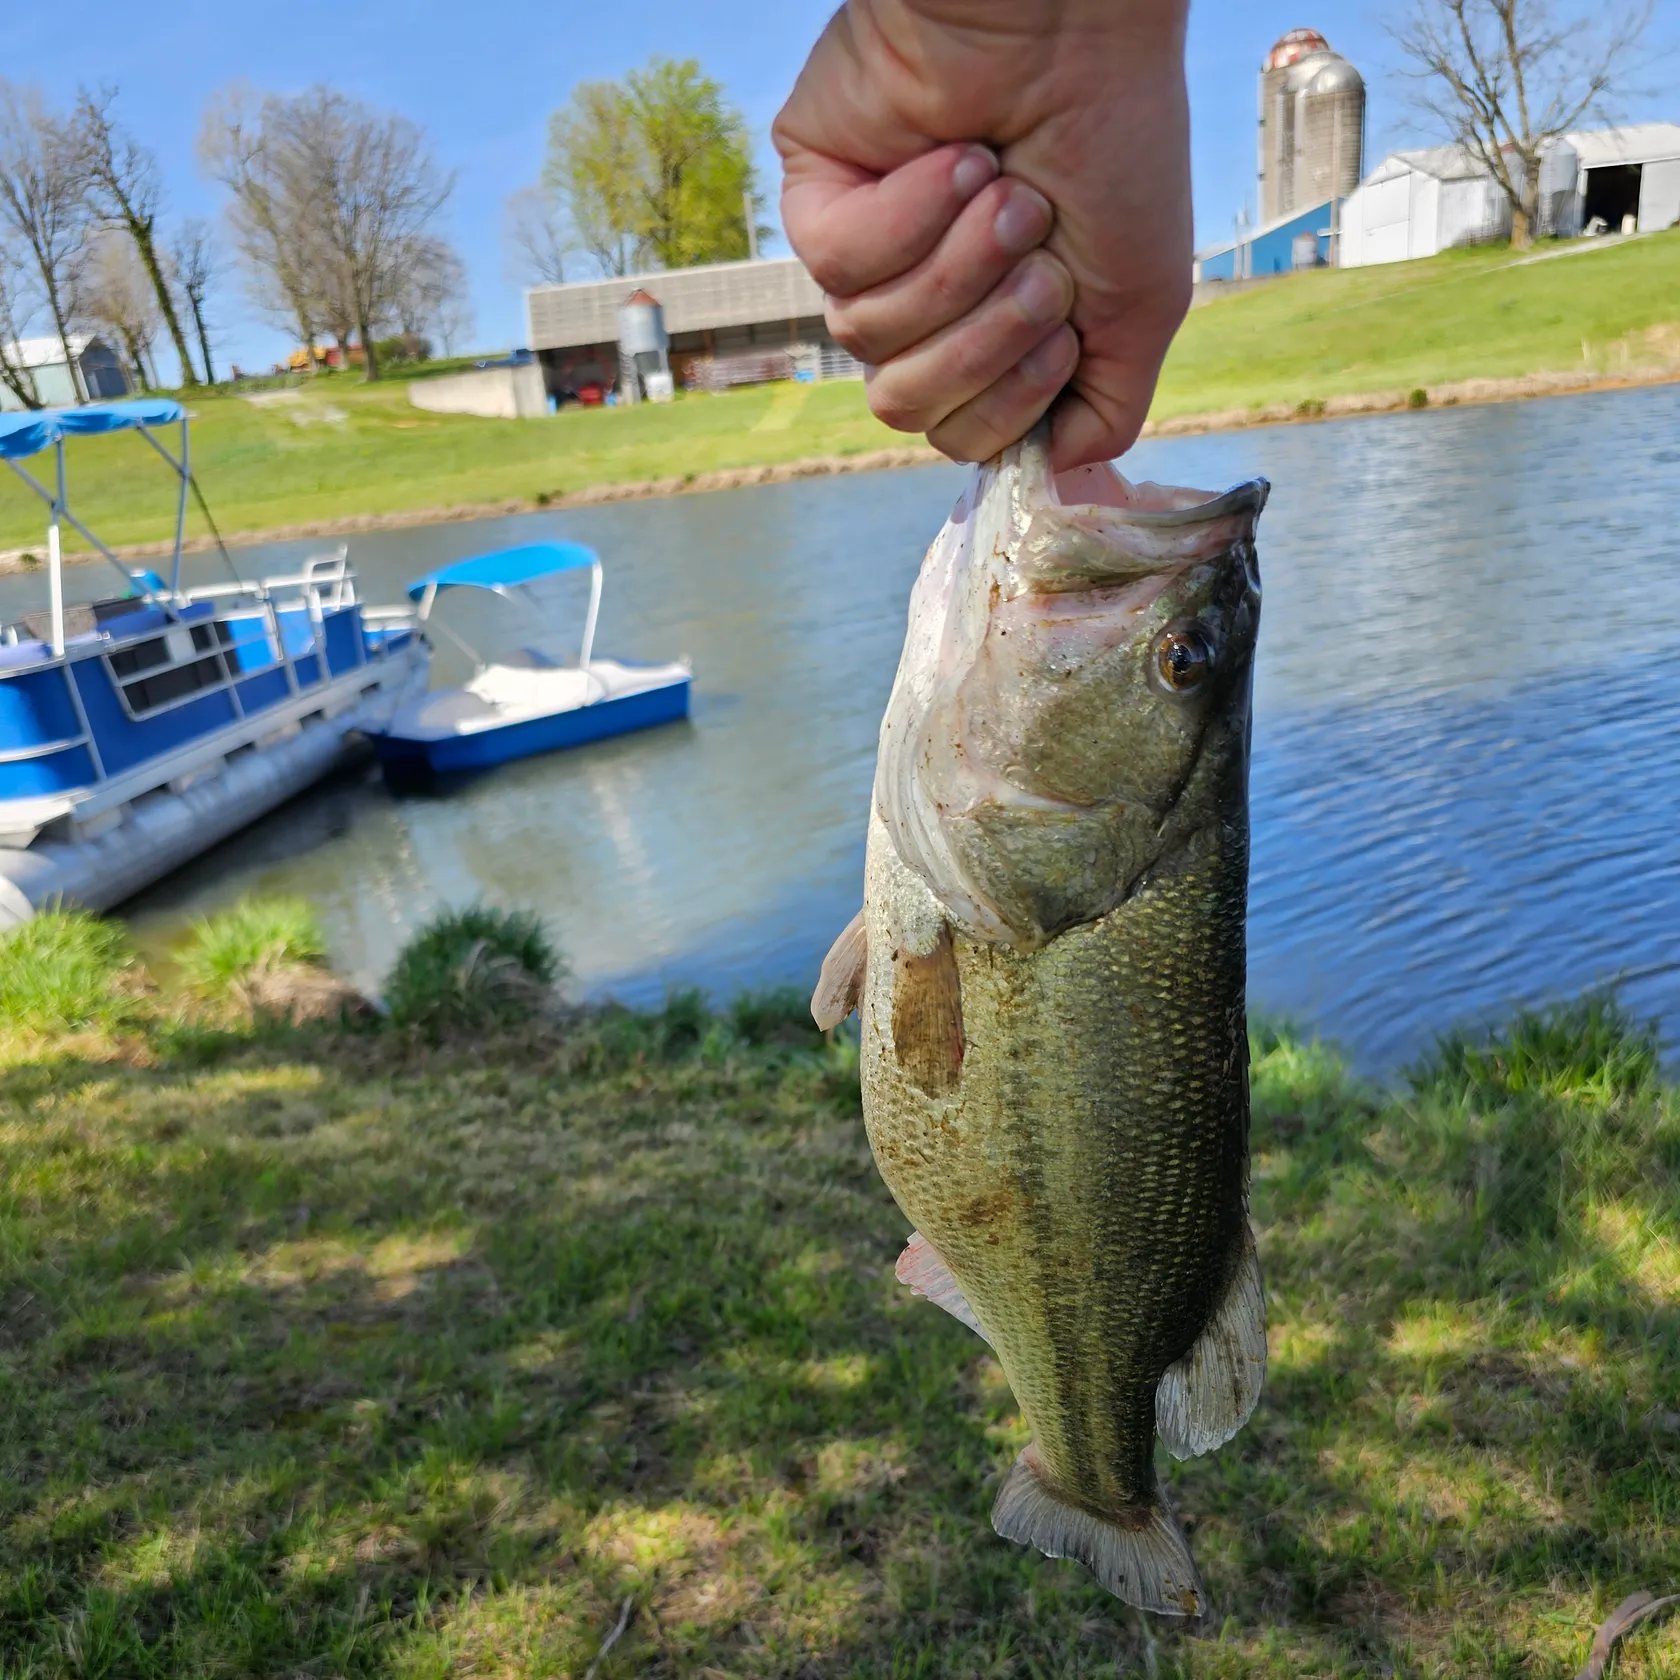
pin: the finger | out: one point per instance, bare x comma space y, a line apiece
853, 229
916, 391
986, 241
1010, 406
1103, 412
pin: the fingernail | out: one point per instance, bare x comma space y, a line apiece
1023, 221
974, 169
1041, 290
1047, 364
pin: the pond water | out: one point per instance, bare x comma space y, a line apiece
1466, 751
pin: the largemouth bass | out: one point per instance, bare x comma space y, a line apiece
1049, 972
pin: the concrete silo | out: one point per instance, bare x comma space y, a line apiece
1312, 125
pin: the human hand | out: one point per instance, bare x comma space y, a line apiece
975, 295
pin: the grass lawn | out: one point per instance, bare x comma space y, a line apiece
329, 1352
1467, 314
339, 448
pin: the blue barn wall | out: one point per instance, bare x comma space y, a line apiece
1271, 249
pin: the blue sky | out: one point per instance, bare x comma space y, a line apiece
482, 80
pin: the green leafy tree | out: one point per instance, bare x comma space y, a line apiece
654, 171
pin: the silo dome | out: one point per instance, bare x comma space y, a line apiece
1336, 76
1296, 44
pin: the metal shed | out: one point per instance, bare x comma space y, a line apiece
99, 371
719, 310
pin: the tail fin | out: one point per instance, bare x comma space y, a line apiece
1145, 1562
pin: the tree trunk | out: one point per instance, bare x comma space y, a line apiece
203, 340
78, 391
140, 231
368, 356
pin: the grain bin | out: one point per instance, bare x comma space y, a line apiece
644, 362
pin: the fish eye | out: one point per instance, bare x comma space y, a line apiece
1183, 657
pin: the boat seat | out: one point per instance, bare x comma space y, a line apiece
445, 709
535, 689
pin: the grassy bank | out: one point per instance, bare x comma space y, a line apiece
366, 1351
339, 449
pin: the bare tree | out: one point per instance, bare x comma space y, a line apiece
41, 206
329, 197
1507, 78
193, 257
538, 240
272, 216
378, 192
125, 190
429, 291
15, 373
117, 295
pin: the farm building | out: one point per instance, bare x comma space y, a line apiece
99, 371
1414, 204
761, 318
1301, 239
1622, 172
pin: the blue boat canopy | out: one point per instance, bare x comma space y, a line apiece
25, 434
507, 567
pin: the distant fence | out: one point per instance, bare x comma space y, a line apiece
762, 367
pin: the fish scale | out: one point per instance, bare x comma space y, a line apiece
1049, 971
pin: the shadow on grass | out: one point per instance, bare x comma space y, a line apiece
328, 1354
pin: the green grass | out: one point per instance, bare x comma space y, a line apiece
64, 969
1477, 313
472, 969
332, 1353
224, 952
335, 447
338, 447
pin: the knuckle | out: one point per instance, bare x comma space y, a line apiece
845, 331
894, 407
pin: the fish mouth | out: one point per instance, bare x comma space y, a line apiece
1089, 526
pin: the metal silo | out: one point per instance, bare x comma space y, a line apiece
1312, 125
644, 362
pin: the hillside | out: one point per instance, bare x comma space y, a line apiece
339, 450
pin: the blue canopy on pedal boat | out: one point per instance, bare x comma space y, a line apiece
506, 568
28, 433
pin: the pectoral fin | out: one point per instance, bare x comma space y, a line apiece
840, 984
921, 1268
927, 1022
1205, 1398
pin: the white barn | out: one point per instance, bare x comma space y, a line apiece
1622, 172
1414, 204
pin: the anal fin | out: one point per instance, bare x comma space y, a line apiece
840, 984
921, 1268
1141, 1557
1206, 1397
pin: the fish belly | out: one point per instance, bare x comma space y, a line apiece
1083, 1174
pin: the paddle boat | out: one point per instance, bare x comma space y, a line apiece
139, 729
532, 699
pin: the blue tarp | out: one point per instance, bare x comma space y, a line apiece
22, 435
506, 567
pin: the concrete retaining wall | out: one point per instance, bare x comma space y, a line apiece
504, 393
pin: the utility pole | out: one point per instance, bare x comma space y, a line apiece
752, 227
